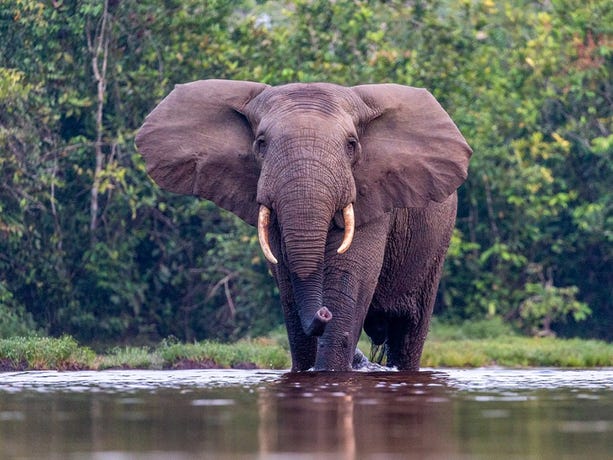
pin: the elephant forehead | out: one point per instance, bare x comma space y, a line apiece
323, 98
301, 126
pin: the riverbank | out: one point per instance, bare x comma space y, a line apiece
43, 353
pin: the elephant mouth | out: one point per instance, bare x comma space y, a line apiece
264, 224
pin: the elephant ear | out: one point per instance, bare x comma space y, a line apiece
412, 152
197, 142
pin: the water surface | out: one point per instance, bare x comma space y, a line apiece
435, 414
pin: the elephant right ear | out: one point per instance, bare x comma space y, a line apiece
413, 153
197, 142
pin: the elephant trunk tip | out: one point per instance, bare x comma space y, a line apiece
318, 322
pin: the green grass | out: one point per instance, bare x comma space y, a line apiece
262, 353
130, 358
473, 345
518, 352
45, 353
492, 342
41, 353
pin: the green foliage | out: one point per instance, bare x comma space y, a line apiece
91, 247
547, 304
45, 353
14, 320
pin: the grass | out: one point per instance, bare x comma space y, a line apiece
130, 358
262, 353
44, 353
474, 344
492, 342
518, 352
40, 353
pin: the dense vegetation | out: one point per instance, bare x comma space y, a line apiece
89, 246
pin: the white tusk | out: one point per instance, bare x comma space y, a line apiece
263, 223
349, 218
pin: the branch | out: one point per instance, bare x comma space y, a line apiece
225, 282
101, 48
219, 283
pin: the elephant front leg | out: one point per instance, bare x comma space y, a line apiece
349, 283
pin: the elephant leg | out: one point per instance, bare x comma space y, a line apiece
350, 281
405, 341
409, 321
375, 326
402, 306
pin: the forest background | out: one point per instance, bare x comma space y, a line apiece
89, 246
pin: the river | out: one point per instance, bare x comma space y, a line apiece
487, 413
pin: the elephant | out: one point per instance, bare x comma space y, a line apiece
353, 191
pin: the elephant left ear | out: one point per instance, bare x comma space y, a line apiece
412, 152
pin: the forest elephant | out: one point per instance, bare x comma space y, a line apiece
353, 192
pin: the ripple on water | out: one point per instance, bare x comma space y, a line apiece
12, 416
500, 379
212, 402
505, 383
591, 426
131, 380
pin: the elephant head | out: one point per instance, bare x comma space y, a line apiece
305, 160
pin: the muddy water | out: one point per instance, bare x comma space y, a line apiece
442, 414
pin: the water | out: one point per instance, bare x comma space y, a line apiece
441, 414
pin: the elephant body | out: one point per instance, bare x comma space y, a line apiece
353, 191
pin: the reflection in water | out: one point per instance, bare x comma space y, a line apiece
356, 413
457, 414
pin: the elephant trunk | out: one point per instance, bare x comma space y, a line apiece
308, 296
304, 225
304, 249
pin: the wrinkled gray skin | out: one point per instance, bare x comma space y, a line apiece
306, 151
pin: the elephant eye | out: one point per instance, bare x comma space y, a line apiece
259, 146
352, 147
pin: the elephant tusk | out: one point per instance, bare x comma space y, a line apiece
349, 218
263, 223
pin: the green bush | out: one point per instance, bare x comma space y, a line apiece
14, 320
